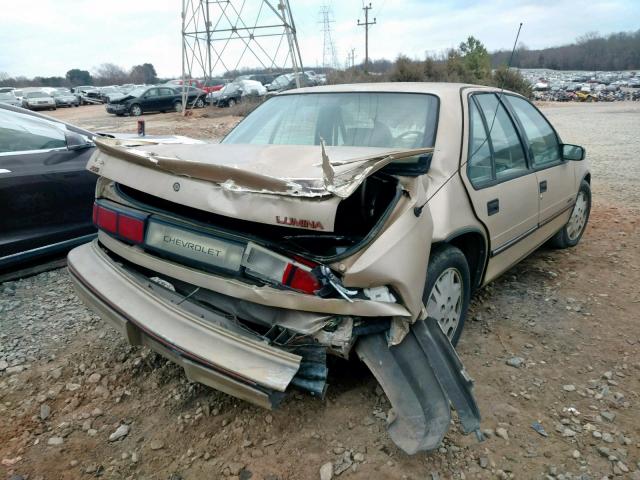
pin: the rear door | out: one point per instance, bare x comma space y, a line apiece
556, 177
166, 98
502, 187
46, 194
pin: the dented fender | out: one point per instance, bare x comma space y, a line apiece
398, 257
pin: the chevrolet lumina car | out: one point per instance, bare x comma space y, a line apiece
331, 220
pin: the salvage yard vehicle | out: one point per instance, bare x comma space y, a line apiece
38, 100
151, 99
46, 192
10, 99
331, 220
65, 99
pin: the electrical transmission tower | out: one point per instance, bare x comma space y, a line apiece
366, 24
221, 36
329, 57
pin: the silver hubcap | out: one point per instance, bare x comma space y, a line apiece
445, 301
137, 111
178, 106
578, 217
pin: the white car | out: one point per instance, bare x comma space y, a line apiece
36, 100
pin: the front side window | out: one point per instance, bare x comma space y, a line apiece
152, 93
543, 141
20, 133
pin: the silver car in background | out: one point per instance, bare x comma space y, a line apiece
65, 99
37, 100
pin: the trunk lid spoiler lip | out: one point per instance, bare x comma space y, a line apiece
340, 178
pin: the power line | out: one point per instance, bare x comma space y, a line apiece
366, 24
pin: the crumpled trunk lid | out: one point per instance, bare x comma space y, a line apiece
288, 185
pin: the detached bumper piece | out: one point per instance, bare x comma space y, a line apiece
212, 348
422, 377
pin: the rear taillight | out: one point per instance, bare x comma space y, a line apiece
300, 279
126, 225
263, 263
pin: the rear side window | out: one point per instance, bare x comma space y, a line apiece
480, 166
507, 155
543, 141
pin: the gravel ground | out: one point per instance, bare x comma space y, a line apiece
553, 346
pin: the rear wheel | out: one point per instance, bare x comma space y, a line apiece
178, 106
200, 103
571, 233
135, 110
448, 289
232, 102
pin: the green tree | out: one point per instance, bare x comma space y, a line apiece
475, 59
75, 76
145, 73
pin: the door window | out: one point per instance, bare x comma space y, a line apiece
167, 92
20, 133
543, 142
152, 93
507, 154
480, 167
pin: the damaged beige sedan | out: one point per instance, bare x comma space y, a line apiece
331, 220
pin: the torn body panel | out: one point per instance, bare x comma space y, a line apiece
422, 377
216, 177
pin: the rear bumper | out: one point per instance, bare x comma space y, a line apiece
201, 342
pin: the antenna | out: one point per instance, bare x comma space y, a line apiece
418, 210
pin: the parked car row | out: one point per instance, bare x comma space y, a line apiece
39, 99
565, 86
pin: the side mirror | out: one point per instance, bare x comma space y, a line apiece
572, 152
75, 141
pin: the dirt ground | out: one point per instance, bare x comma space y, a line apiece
569, 320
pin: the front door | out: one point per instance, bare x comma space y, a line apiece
46, 193
502, 187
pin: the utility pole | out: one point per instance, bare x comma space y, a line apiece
366, 24
352, 57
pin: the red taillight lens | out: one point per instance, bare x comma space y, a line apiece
107, 219
300, 279
129, 227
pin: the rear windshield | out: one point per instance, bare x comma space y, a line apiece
359, 119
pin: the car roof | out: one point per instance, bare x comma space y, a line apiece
435, 88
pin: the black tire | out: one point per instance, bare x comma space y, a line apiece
135, 110
443, 258
177, 106
200, 103
231, 103
563, 238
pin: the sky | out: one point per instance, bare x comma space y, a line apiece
53, 36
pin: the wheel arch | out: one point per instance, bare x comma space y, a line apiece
473, 245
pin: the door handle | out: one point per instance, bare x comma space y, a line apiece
493, 206
543, 186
